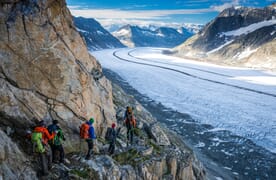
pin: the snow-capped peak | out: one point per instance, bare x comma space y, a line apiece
122, 32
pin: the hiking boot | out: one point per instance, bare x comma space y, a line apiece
55, 162
61, 161
87, 157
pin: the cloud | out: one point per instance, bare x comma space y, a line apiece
121, 22
134, 14
74, 7
226, 5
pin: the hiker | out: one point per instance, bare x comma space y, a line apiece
111, 137
87, 133
40, 138
130, 123
56, 142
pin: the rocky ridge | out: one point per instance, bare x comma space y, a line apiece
96, 37
237, 36
47, 73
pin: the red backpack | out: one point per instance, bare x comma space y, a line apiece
84, 131
130, 119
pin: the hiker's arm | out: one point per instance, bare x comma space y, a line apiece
48, 135
92, 133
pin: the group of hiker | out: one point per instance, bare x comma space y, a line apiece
47, 141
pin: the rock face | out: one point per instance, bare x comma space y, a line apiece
95, 35
238, 36
134, 36
46, 71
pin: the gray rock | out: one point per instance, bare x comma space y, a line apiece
147, 151
159, 135
13, 163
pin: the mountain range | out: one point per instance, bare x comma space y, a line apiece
118, 36
152, 36
190, 27
96, 37
237, 36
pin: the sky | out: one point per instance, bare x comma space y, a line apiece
156, 11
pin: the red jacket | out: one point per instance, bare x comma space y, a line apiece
46, 136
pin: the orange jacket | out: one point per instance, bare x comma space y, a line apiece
46, 136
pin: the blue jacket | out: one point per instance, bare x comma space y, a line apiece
92, 134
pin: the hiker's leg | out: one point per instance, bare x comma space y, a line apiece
61, 154
83, 147
109, 148
49, 156
131, 136
90, 148
128, 131
53, 152
87, 154
112, 149
43, 163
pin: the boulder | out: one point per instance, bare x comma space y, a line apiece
104, 167
13, 163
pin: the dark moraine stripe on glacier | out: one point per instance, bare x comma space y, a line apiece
241, 156
191, 75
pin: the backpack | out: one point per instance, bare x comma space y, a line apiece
130, 121
108, 134
52, 128
134, 122
84, 131
37, 142
58, 137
